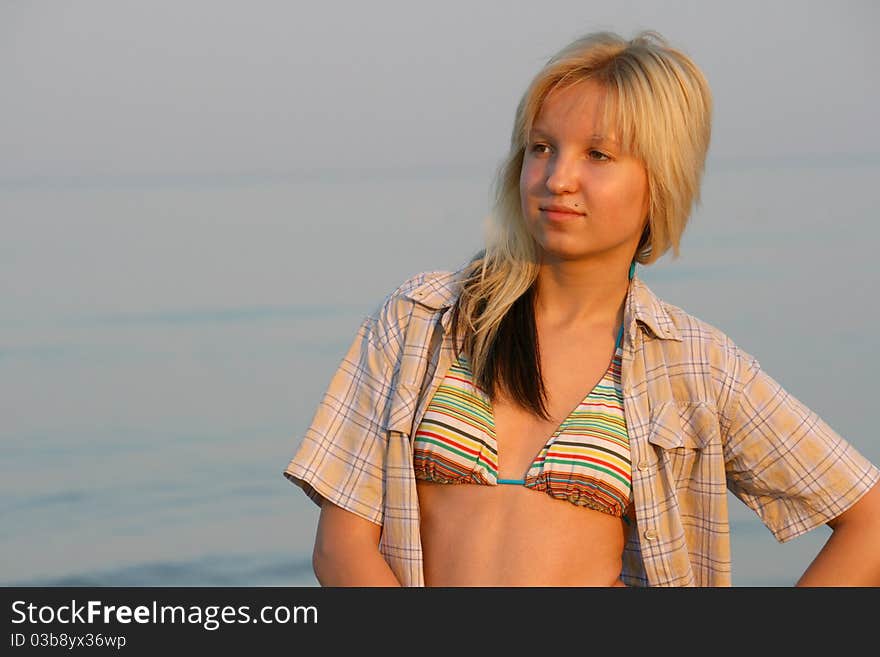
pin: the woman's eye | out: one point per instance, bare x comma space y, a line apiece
598, 155
540, 148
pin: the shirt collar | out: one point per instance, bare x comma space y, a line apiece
437, 292
440, 291
643, 306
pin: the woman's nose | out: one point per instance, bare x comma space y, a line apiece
561, 176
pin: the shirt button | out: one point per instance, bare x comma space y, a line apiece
643, 465
650, 534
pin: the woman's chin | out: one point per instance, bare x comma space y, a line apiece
550, 255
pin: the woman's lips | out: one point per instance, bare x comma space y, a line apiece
560, 213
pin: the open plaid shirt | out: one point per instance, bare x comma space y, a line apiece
701, 414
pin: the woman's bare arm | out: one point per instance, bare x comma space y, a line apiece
851, 556
347, 550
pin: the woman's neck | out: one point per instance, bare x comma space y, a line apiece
576, 293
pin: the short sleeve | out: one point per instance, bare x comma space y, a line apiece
342, 454
784, 461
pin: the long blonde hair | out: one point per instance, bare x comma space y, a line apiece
660, 105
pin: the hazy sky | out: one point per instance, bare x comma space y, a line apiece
123, 88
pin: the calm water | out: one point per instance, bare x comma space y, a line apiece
163, 344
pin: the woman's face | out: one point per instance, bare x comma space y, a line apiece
582, 196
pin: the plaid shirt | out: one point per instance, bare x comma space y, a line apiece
701, 414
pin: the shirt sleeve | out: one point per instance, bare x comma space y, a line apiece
784, 461
342, 454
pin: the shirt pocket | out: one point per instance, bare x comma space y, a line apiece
683, 435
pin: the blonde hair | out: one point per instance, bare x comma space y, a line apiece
659, 104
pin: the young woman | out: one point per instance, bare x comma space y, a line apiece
540, 417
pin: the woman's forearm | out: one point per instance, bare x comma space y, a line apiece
851, 556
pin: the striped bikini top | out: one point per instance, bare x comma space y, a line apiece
586, 461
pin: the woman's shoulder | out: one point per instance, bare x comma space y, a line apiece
695, 334
694, 361
433, 291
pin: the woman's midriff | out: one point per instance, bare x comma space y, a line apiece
509, 535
